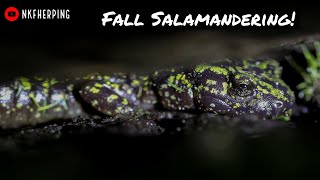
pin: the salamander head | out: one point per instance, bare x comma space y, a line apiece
243, 87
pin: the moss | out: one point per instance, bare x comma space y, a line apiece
311, 76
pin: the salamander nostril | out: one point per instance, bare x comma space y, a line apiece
279, 104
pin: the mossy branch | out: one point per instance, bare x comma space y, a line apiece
312, 73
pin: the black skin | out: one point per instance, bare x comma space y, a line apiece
227, 87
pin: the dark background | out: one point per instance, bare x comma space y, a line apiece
76, 48
81, 45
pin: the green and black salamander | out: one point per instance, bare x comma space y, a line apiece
229, 87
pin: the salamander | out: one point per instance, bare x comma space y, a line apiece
231, 87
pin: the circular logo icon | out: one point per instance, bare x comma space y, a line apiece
11, 14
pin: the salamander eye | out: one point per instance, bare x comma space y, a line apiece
242, 85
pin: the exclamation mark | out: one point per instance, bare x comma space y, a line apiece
293, 18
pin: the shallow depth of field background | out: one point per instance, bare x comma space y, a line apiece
287, 154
